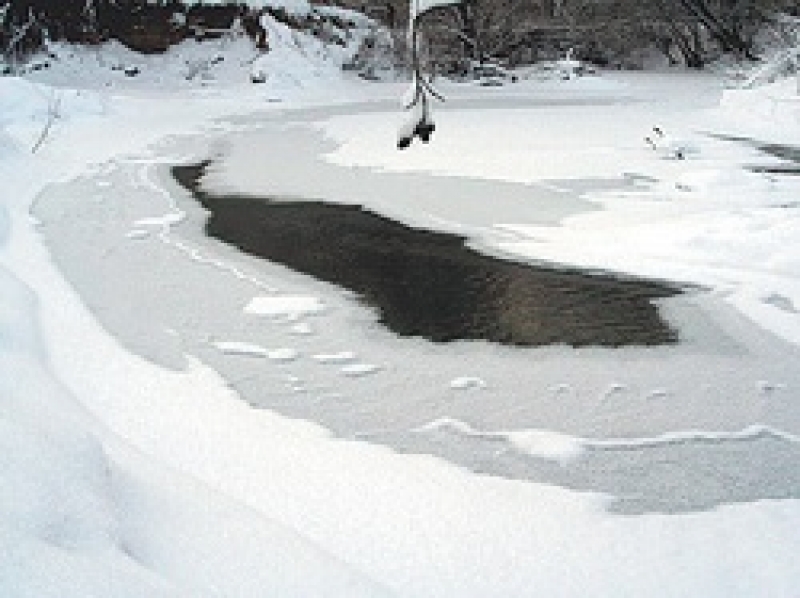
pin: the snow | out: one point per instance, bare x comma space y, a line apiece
777, 104
289, 307
291, 65
467, 383
125, 478
344, 13
420, 7
84, 513
357, 370
284, 354
341, 357
539, 443
298, 8
302, 328
292, 7
241, 348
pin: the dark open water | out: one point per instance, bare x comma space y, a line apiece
430, 284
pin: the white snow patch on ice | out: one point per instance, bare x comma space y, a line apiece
241, 348
137, 234
341, 357
467, 383
284, 354
545, 444
302, 329
358, 370
565, 449
748, 433
542, 444
291, 307
165, 221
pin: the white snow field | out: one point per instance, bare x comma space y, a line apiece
181, 420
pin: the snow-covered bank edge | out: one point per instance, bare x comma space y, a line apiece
86, 511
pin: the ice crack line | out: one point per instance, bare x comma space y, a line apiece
165, 223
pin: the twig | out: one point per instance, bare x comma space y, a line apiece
53, 114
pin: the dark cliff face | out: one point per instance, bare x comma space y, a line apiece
431, 285
142, 26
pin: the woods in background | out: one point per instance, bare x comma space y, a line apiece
510, 32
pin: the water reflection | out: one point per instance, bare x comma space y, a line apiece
430, 284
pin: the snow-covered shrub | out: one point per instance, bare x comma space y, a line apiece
374, 58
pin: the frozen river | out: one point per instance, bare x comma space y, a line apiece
700, 416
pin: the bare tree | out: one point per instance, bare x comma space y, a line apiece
690, 31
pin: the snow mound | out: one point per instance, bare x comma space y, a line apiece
778, 102
296, 60
83, 515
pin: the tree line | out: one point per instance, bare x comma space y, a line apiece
689, 32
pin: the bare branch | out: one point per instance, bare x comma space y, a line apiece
53, 114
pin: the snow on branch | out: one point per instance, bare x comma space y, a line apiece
418, 97
420, 7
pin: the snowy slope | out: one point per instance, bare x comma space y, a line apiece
83, 512
295, 60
